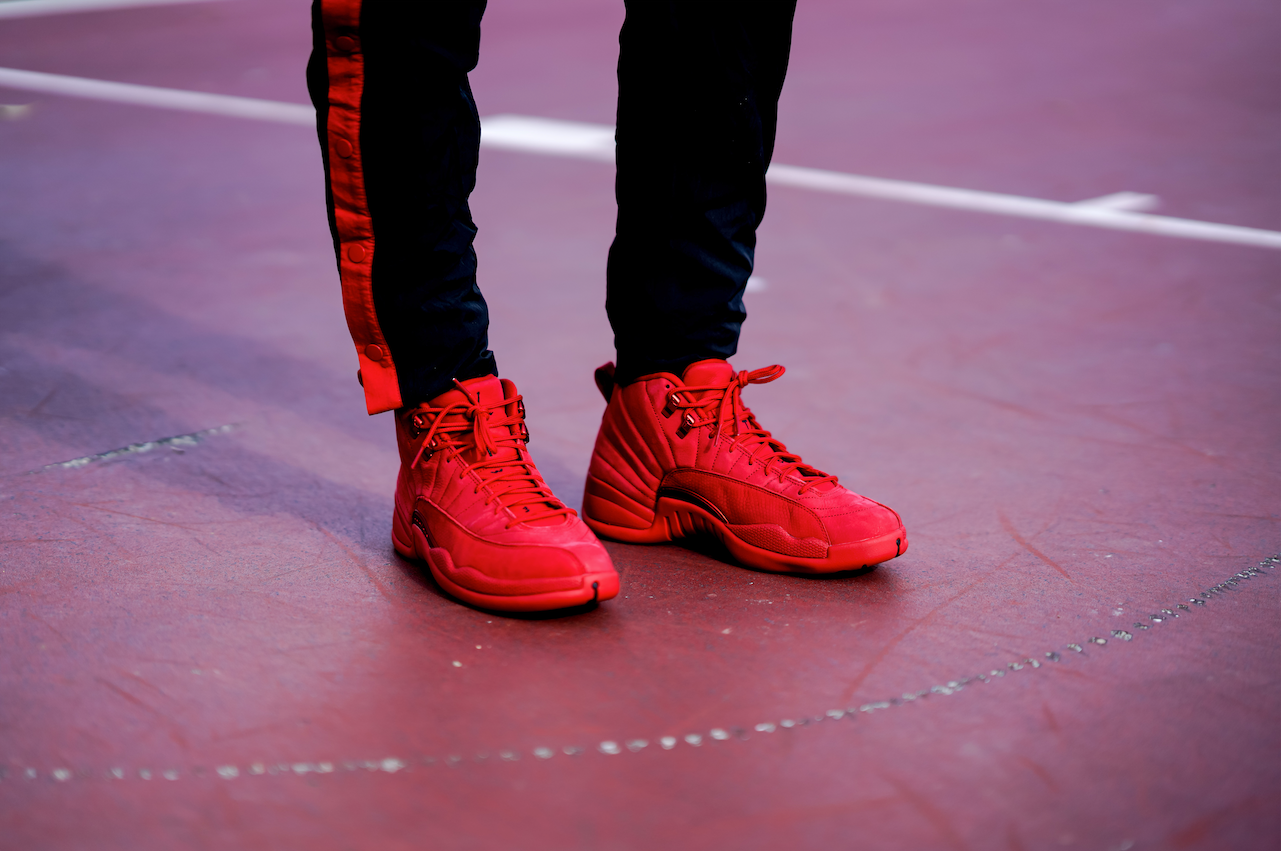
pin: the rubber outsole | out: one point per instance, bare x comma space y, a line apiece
410, 543
676, 519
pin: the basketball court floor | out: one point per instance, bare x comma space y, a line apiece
1021, 263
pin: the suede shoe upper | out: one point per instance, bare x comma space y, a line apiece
693, 439
488, 519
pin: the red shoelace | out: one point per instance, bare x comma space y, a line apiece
509, 476
722, 404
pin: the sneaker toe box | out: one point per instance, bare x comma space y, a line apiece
853, 519
532, 560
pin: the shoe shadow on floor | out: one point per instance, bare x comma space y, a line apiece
708, 546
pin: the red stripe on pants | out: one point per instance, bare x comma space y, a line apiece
346, 68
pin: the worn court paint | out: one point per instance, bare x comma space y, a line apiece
177, 442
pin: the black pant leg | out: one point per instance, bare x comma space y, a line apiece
698, 90
419, 135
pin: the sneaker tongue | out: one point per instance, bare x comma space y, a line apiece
708, 372
486, 390
719, 372
703, 373
489, 391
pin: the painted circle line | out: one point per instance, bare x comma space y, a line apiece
612, 747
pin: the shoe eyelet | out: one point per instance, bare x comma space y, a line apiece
686, 425
670, 408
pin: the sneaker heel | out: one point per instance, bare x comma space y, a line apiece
608, 512
402, 537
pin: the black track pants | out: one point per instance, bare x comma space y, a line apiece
698, 83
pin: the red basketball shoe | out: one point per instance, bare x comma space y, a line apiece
471, 503
680, 456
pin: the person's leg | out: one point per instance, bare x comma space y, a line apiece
400, 133
678, 452
698, 90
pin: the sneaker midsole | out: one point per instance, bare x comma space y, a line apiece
675, 519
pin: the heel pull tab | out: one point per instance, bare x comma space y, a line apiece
605, 380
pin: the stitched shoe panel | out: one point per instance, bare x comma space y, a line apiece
776, 539
568, 549
745, 503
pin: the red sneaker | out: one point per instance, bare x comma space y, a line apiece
471, 503
680, 456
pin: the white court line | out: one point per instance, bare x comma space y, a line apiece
1015, 205
1136, 202
34, 8
82, 87
595, 141
549, 136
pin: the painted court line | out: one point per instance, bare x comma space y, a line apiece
1014, 205
615, 747
548, 136
34, 8
130, 93
177, 442
1135, 202
595, 142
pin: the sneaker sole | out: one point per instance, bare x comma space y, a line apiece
675, 519
596, 587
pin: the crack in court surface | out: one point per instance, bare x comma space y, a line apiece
612, 747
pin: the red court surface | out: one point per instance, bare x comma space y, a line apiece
211, 644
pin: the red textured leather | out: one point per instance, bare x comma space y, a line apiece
682, 456
472, 505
